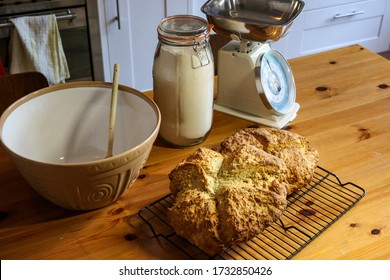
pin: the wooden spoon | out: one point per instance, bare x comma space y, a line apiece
114, 97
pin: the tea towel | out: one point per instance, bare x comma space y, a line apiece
36, 46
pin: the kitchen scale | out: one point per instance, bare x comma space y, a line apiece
254, 82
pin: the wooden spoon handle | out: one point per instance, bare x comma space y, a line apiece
114, 98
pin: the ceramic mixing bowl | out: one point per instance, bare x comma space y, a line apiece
58, 139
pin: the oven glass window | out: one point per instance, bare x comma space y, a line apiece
77, 51
75, 41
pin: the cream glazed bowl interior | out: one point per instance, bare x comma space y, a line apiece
58, 139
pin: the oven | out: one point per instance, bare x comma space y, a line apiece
77, 21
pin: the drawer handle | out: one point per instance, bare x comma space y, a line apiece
354, 13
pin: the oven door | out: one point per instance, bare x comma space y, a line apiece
73, 28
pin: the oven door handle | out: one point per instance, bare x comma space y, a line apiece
118, 18
68, 16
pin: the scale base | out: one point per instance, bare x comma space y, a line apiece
272, 121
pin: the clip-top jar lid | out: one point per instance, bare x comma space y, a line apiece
183, 29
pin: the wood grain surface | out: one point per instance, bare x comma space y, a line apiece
344, 96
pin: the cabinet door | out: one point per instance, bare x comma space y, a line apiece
131, 44
363, 22
118, 39
144, 18
191, 7
134, 44
176, 7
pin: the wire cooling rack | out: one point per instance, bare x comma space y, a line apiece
310, 211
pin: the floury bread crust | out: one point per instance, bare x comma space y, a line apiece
231, 194
300, 158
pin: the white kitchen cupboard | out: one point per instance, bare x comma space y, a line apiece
134, 43
322, 25
325, 25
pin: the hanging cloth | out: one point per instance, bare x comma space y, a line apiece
36, 46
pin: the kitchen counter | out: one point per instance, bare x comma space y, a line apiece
344, 96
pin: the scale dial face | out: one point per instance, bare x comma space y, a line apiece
277, 82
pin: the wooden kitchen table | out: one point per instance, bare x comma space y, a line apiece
344, 96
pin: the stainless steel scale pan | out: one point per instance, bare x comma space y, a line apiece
254, 81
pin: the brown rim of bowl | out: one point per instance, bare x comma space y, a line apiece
53, 88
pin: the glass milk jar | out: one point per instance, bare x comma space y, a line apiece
183, 80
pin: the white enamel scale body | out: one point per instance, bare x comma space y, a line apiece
255, 83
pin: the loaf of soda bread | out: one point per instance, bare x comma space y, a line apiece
300, 158
229, 195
